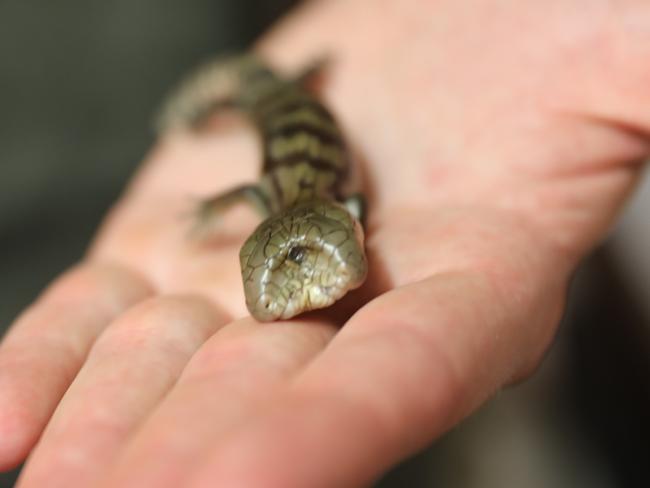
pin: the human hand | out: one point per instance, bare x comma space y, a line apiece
500, 139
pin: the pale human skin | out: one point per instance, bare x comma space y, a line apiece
500, 139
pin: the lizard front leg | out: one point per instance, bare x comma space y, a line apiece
210, 210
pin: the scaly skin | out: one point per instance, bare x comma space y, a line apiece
310, 250
305, 258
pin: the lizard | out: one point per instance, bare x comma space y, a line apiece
308, 251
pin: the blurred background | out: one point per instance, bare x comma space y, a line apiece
79, 80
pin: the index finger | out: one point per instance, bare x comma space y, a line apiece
404, 369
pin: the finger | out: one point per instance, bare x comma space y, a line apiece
46, 346
404, 369
129, 369
231, 377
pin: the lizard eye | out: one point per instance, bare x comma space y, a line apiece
297, 254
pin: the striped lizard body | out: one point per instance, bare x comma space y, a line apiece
309, 251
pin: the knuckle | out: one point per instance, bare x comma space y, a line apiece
217, 356
173, 321
116, 286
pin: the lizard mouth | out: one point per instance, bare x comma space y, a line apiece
313, 296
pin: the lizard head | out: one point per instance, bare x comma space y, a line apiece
302, 259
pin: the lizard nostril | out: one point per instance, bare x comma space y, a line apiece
265, 302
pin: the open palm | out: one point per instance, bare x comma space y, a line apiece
498, 140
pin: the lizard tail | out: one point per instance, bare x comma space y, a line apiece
213, 86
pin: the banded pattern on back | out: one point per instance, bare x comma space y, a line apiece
299, 132
309, 251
